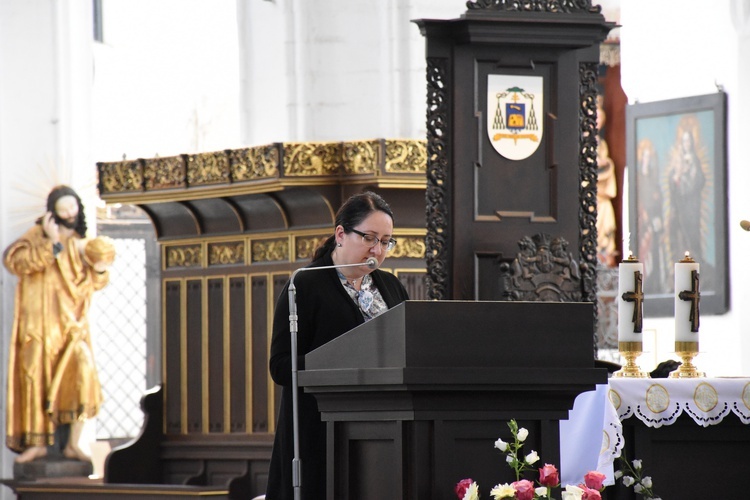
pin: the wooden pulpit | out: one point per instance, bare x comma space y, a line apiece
415, 398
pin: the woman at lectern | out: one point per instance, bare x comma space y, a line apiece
329, 303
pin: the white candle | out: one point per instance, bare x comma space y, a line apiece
626, 326
683, 282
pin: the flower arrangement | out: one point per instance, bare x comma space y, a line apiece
549, 478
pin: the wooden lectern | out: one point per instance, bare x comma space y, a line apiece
415, 398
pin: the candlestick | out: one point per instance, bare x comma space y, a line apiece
630, 316
687, 298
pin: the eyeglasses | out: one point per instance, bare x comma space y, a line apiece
370, 240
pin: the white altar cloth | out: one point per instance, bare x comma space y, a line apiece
655, 402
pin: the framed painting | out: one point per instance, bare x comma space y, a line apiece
676, 154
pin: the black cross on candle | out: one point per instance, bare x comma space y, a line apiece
637, 297
694, 296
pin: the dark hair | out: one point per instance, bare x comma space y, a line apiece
57, 193
356, 209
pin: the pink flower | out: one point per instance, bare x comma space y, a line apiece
548, 476
524, 489
462, 486
590, 494
594, 480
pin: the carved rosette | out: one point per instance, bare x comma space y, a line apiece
276, 250
231, 252
122, 176
405, 156
410, 247
183, 256
312, 158
260, 162
207, 168
588, 175
305, 246
437, 209
361, 157
563, 6
164, 173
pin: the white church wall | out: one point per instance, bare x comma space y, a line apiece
332, 70
680, 48
740, 179
166, 78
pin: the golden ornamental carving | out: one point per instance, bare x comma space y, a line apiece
226, 253
412, 247
184, 256
121, 176
362, 157
270, 250
260, 162
164, 173
207, 168
305, 246
405, 156
312, 158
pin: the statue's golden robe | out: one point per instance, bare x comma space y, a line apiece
52, 377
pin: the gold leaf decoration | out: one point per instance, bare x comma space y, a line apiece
361, 157
121, 176
260, 162
207, 168
405, 156
312, 158
270, 250
411, 247
226, 253
183, 256
164, 173
305, 246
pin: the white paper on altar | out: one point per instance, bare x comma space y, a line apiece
586, 441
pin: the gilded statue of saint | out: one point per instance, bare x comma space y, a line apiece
606, 190
52, 378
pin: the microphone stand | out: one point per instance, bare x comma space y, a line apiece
370, 263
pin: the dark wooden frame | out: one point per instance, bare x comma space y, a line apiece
654, 227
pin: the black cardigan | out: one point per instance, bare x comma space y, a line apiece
324, 310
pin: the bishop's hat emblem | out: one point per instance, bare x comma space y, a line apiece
514, 104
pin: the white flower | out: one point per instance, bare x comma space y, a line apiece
618, 474
646, 482
638, 488
501, 445
541, 492
522, 434
628, 481
472, 492
637, 464
532, 458
572, 493
509, 459
501, 491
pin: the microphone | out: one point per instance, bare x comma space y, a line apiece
370, 263
745, 224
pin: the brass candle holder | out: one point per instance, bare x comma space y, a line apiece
630, 351
686, 351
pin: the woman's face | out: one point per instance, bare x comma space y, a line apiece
353, 249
